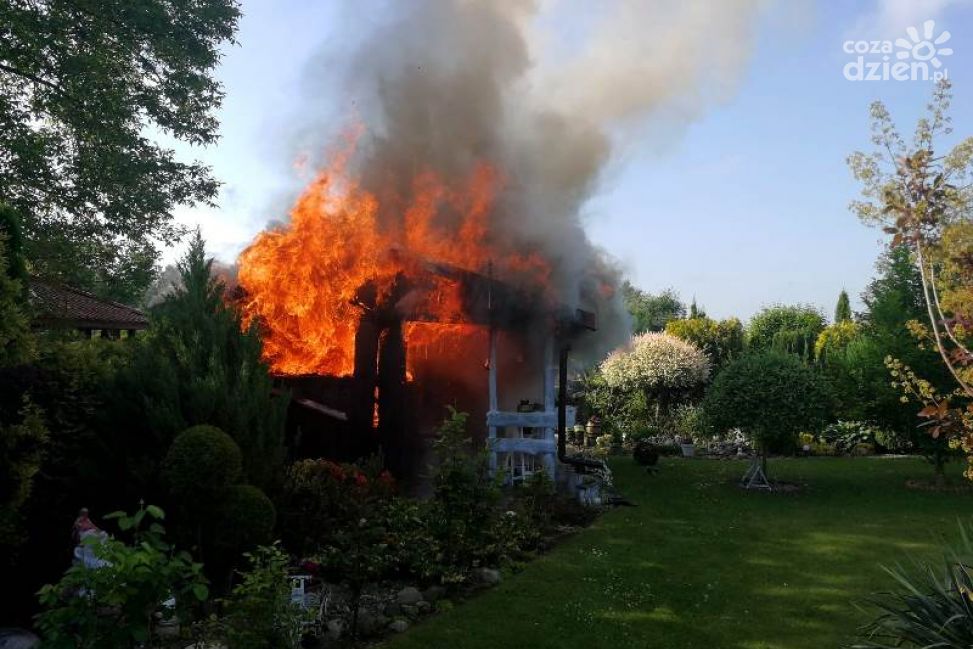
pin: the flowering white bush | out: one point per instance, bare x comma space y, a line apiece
656, 362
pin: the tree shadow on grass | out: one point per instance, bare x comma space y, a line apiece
701, 564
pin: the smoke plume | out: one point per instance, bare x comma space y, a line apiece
547, 95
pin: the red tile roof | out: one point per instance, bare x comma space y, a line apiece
59, 304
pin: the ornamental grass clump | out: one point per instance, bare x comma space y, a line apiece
929, 604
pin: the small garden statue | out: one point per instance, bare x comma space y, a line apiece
83, 529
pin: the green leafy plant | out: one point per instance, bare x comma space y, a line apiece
792, 329
651, 312
465, 497
97, 192
688, 422
845, 435
720, 340
201, 463
197, 365
893, 441
322, 497
772, 396
621, 411
259, 613
114, 606
247, 517
17, 343
930, 604
22, 449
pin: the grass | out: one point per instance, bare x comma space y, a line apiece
700, 563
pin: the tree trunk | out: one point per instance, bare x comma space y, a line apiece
939, 467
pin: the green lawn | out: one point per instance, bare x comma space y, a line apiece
700, 563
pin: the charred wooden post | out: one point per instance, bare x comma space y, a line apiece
391, 406
366, 371
367, 336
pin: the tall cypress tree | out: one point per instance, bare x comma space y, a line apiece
842, 311
199, 365
16, 341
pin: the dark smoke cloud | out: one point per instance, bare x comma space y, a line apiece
442, 84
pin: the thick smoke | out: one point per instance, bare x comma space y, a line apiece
443, 84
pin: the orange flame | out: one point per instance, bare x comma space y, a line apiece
302, 280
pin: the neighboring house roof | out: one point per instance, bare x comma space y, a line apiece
59, 304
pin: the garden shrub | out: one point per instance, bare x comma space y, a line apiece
465, 497
845, 435
893, 441
646, 453
414, 553
198, 364
659, 365
835, 338
247, 517
349, 520
258, 613
202, 462
622, 412
721, 341
112, 607
22, 448
80, 463
321, 497
791, 329
771, 396
637, 386
17, 343
688, 423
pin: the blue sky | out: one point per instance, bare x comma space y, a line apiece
744, 207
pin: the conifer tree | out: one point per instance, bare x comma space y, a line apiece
842, 311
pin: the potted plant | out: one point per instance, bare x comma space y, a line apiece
576, 436
592, 432
687, 423
686, 446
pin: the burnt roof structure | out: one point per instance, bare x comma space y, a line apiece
59, 305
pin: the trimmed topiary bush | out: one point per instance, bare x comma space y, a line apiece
248, 517
202, 460
772, 396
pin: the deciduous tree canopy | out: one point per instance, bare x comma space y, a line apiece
83, 85
651, 312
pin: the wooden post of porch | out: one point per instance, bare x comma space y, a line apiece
494, 401
550, 403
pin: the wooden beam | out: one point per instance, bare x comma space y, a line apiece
503, 419
526, 445
323, 409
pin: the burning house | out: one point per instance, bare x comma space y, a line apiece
439, 255
375, 339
